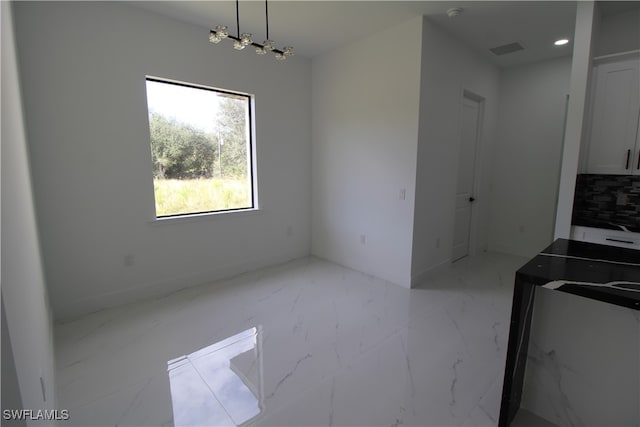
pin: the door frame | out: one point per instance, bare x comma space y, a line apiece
477, 166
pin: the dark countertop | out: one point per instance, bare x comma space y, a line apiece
604, 273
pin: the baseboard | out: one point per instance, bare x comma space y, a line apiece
430, 272
360, 269
72, 310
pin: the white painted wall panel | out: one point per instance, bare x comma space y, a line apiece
528, 155
86, 113
24, 292
449, 68
619, 32
365, 130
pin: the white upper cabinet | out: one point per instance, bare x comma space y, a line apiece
613, 145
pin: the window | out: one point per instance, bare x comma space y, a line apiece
201, 148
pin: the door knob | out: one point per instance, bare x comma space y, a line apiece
472, 199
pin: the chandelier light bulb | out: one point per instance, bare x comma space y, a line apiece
214, 37
238, 45
222, 31
245, 39
261, 50
280, 56
269, 45
287, 51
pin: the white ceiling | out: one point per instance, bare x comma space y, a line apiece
315, 27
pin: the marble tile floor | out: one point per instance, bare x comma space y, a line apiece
307, 343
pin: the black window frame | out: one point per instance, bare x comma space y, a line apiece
250, 154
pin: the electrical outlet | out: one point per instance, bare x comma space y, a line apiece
403, 194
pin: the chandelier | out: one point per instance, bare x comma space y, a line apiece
245, 39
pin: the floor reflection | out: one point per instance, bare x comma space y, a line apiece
219, 385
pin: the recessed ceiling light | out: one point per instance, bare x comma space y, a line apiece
561, 42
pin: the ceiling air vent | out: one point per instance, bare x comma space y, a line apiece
507, 48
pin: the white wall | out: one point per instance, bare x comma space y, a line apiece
527, 156
86, 115
586, 27
24, 292
619, 32
448, 68
10, 393
365, 130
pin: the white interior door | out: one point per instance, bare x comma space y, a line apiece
466, 173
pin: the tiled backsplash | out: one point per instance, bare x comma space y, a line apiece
607, 199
